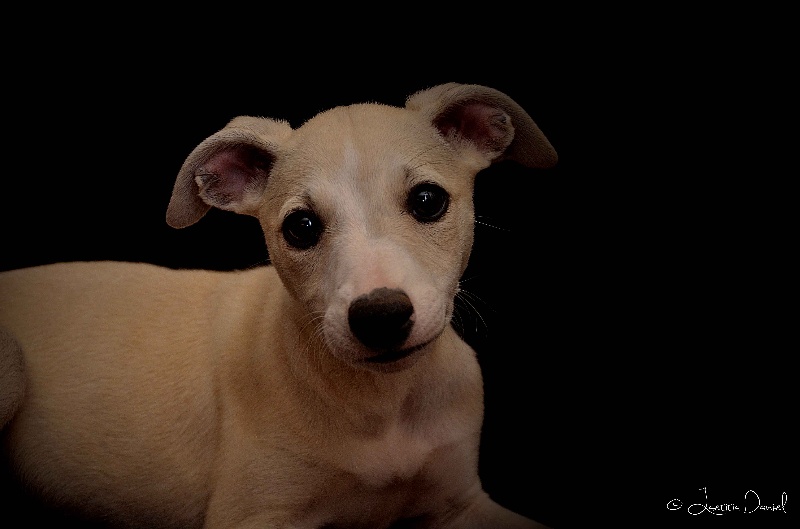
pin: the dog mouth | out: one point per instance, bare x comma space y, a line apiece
395, 355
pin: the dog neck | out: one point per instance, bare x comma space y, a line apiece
327, 402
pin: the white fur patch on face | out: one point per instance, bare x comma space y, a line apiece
366, 263
371, 240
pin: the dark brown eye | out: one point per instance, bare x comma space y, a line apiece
428, 202
302, 229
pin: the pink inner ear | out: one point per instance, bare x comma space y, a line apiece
488, 127
232, 173
229, 174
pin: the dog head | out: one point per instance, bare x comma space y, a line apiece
366, 209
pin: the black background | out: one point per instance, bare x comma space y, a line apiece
628, 352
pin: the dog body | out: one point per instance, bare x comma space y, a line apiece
326, 391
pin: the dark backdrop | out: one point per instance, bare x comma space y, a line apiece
100, 152
619, 370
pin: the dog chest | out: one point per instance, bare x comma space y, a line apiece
402, 453
393, 456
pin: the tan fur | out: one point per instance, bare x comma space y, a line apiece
188, 398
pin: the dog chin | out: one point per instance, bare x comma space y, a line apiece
393, 360
351, 351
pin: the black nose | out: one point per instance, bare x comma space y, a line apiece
381, 319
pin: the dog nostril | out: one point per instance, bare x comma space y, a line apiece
381, 319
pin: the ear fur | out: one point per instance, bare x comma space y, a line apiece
488, 120
228, 170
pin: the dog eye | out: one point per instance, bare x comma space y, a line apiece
302, 229
428, 202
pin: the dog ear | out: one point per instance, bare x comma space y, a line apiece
228, 170
487, 120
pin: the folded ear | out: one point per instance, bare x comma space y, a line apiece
484, 119
228, 170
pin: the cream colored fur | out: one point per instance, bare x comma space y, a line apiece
154, 397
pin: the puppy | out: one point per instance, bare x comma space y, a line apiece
328, 390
